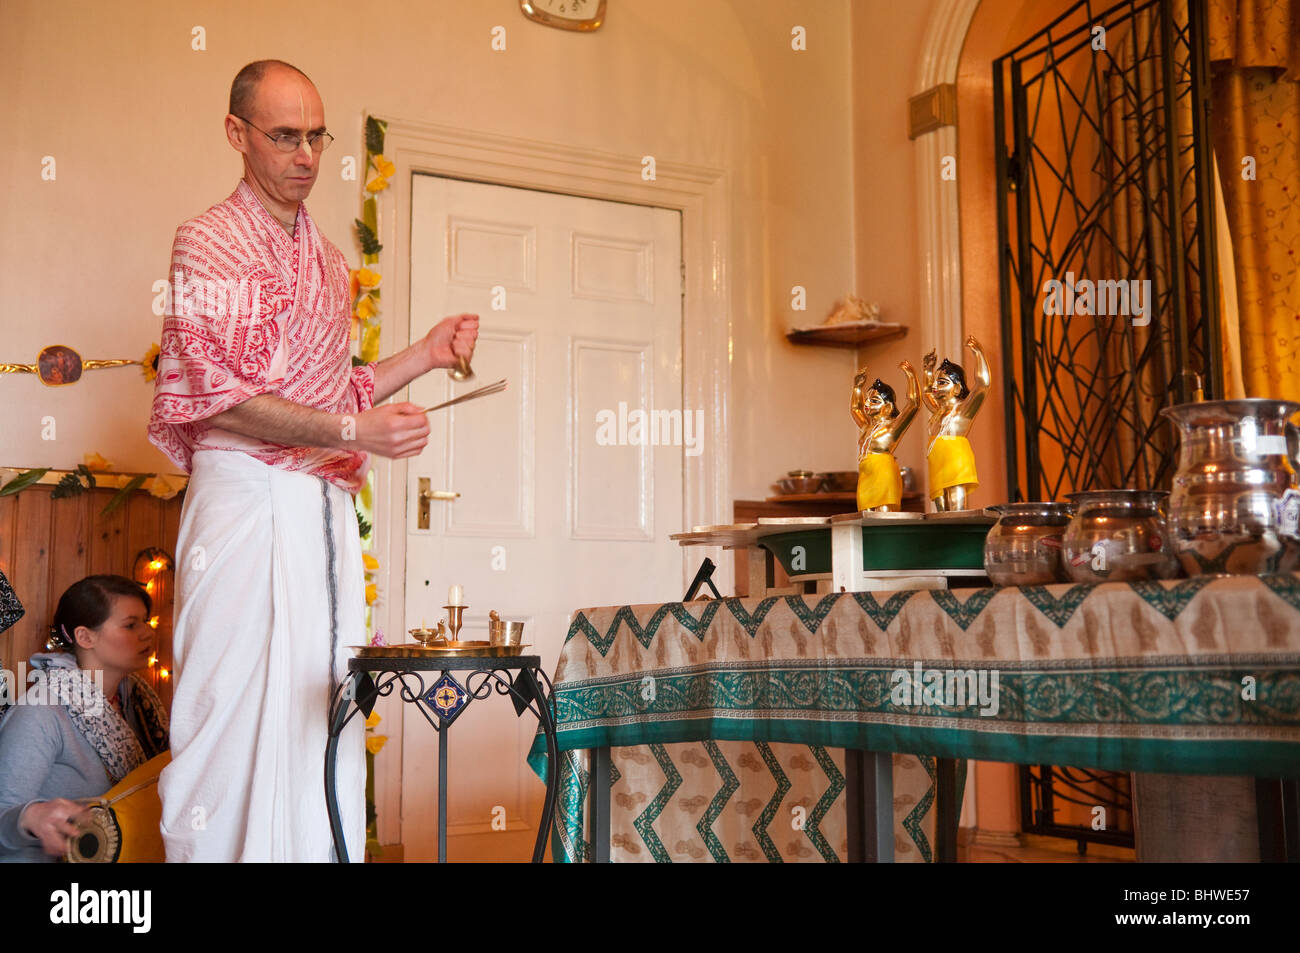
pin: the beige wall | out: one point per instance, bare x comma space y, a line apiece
133, 117
887, 39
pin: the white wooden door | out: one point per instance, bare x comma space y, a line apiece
580, 307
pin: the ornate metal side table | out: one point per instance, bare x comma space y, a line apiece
425, 680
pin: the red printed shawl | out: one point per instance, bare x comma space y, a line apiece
254, 311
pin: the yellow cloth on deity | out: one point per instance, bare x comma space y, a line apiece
952, 463
879, 481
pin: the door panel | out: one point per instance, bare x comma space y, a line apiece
502, 501
612, 493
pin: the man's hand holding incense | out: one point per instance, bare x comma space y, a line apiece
392, 430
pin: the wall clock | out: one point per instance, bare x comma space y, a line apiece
565, 14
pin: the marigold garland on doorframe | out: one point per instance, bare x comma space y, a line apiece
366, 320
366, 279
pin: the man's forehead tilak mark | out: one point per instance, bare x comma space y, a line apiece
304, 117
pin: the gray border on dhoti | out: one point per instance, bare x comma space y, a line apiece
331, 579
331, 584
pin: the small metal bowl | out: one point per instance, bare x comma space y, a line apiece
1118, 536
800, 484
840, 481
1023, 548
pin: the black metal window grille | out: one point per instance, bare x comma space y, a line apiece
1104, 173
1043, 787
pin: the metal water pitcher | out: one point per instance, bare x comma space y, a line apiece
1235, 507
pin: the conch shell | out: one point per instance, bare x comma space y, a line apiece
852, 308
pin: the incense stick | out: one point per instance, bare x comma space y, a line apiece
481, 392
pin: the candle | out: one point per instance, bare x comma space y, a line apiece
456, 596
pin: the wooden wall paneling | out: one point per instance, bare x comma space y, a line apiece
143, 526
166, 661
70, 522
8, 518
31, 578
171, 520
143, 531
8, 522
171, 523
108, 537
46, 545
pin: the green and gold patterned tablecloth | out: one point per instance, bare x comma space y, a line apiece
1195, 676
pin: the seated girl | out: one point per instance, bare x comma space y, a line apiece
74, 737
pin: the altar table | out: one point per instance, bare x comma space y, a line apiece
729, 719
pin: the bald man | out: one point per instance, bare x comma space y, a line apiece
257, 398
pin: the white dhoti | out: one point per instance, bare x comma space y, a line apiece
269, 595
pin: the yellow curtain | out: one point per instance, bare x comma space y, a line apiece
1255, 125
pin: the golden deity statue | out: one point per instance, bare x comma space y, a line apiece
880, 425
953, 405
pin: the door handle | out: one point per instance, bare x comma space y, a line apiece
425, 495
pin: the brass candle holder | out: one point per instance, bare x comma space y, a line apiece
454, 614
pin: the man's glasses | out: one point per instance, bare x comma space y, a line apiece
286, 142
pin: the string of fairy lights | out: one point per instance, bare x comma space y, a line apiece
155, 569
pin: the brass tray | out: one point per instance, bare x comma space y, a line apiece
444, 649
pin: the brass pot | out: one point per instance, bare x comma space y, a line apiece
1234, 508
1118, 536
501, 632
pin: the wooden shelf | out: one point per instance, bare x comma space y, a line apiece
853, 336
813, 498
827, 498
